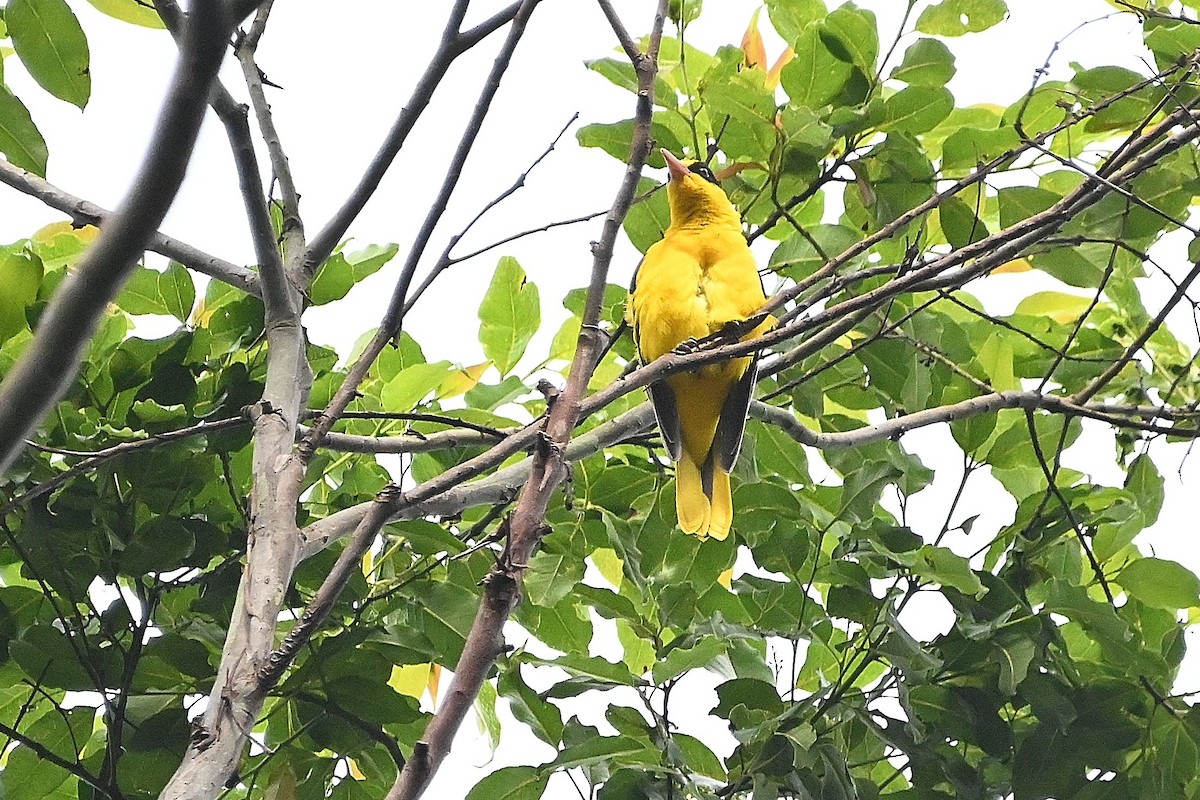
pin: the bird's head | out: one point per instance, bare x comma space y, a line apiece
695, 196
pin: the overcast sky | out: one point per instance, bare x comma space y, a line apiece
345, 74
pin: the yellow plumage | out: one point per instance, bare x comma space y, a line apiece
699, 278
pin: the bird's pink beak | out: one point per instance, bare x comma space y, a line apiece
678, 168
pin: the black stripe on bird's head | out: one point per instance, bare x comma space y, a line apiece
695, 196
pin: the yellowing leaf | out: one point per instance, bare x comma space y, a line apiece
1014, 266
435, 676
48, 233
368, 563
609, 564
773, 73
734, 169
752, 44
355, 772
726, 578
462, 380
410, 679
1059, 306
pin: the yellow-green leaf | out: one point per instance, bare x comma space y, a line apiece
136, 12
509, 315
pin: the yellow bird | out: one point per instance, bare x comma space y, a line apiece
694, 282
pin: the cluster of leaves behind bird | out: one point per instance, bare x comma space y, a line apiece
879, 203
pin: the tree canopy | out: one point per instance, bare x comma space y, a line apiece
236, 563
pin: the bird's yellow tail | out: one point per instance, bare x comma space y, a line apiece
704, 507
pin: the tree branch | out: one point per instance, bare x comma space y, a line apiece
452, 45
389, 327
293, 225
48, 755
46, 369
83, 212
527, 524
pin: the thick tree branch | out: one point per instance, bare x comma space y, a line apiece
293, 225
48, 366
83, 212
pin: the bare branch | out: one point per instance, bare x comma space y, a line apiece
451, 46
389, 327
83, 212
233, 116
632, 51
451, 497
46, 368
444, 260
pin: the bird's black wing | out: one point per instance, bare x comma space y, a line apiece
727, 442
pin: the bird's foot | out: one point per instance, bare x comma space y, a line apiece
734, 330
689, 346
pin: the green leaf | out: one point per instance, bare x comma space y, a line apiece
52, 46
162, 544
149, 291
543, 718
621, 73
815, 76
947, 568
1015, 658
852, 35
957, 17
796, 258
178, 291
509, 315
699, 757
341, 271
1058, 306
917, 109
413, 384
1146, 485
485, 713
1171, 39
136, 12
684, 659
604, 750
960, 223
791, 17
927, 62
648, 218
511, 783
20, 140
552, 577
1161, 583
614, 138
21, 276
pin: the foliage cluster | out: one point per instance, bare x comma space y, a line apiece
880, 200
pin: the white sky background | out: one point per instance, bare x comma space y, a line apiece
346, 73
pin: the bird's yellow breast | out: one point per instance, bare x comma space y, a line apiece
691, 284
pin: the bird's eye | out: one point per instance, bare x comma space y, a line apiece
704, 172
